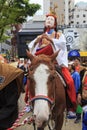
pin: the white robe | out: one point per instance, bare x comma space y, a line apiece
60, 43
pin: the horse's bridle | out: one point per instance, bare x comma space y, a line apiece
46, 98
42, 97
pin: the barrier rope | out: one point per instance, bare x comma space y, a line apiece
27, 120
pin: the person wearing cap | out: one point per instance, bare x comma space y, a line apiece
77, 82
82, 99
58, 42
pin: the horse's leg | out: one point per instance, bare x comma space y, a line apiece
59, 122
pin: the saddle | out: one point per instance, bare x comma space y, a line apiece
58, 69
68, 101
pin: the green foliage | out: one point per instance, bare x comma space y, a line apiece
15, 12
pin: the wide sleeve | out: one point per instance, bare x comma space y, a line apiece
60, 43
31, 45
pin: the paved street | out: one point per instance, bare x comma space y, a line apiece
69, 125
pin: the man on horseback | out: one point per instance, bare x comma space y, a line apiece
58, 42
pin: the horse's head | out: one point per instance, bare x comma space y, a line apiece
41, 77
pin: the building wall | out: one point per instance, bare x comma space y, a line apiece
46, 7
66, 12
80, 16
58, 7
70, 11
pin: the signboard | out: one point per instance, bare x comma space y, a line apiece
69, 39
83, 53
76, 39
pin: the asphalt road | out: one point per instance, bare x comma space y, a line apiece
69, 125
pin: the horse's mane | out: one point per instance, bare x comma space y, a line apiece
46, 60
43, 56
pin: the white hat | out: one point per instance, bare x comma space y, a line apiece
22, 59
70, 62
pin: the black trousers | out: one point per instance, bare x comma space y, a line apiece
8, 105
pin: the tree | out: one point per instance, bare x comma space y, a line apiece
13, 12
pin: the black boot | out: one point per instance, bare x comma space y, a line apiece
78, 118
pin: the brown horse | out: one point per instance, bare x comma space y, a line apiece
47, 91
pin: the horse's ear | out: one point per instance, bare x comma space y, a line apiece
53, 56
30, 56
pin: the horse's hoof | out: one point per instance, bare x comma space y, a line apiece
40, 128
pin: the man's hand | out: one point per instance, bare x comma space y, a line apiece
47, 37
37, 40
79, 98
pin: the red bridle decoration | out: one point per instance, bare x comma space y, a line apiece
42, 97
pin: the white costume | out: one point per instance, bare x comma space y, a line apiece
59, 44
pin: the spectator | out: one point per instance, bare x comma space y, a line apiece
76, 77
82, 99
11, 85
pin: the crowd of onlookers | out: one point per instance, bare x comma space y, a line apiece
78, 72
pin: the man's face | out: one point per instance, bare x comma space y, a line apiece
76, 62
50, 21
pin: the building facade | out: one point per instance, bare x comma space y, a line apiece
58, 7
79, 16
66, 12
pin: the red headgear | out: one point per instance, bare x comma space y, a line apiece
51, 15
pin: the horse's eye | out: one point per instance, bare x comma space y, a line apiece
51, 68
30, 77
31, 68
51, 77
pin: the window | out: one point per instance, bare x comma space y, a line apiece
84, 15
77, 22
84, 21
72, 21
75, 33
77, 16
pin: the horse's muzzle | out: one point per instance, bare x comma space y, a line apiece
41, 123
